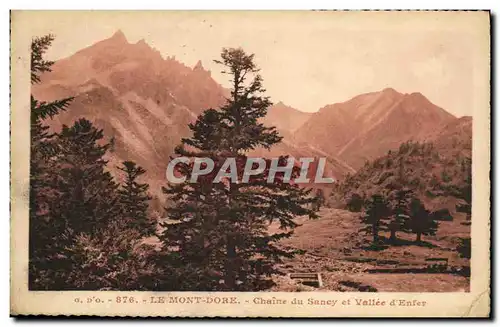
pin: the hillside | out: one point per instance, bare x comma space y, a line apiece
426, 168
367, 126
455, 138
346, 259
285, 118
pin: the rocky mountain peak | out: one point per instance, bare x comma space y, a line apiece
198, 66
141, 42
119, 36
390, 90
200, 69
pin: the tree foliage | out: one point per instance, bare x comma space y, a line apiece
421, 220
375, 217
40, 45
464, 247
219, 229
355, 203
400, 208
83, 232
44, 232
420, 167
134, 200
463, 189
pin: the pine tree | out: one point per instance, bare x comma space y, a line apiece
88, 200
375, 216
43, 230
82, 199
104, 224
400, 212
464, 247
400, 198
221, 228
77, 237
134, 200
112, 259
355, 203
40, 45
421, 222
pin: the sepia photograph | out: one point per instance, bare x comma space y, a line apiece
300, 164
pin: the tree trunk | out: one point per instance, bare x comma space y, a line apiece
375, 234
394, 228
393, 235
230, 276
419, 237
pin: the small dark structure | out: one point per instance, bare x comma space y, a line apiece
309, 279
437, 264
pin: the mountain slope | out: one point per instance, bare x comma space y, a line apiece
369, 125
285, 118
455, 138
428, 168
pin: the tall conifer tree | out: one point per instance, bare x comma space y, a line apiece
421, 222
221, 228
134, 200
375, 216
400, 212
77, 236
88, 200
43, 229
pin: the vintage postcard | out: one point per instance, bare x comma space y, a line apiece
250, 164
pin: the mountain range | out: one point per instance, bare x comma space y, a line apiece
145, 102
369, 125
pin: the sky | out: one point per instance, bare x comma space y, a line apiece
307, 59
